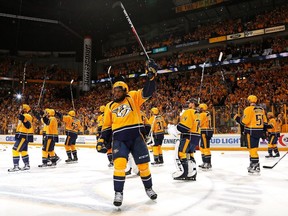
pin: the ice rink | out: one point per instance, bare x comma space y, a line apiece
86, 188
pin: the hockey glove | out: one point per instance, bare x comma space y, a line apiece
41, 112
100, 147
36, 114
58, 114
151, 69
21, 117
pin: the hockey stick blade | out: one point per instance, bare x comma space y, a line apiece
109, 70
116, 4
268, 167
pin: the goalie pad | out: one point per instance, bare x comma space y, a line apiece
178, 164
172, 130
131, 164
192, 171
150, 139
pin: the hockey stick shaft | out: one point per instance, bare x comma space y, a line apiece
42, 91
24, 78
49, 68
201, 82
109, 69
271, 167
119, 3
71, 90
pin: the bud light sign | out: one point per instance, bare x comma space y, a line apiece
225, 140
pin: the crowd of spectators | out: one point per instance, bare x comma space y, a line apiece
278, 16
14, 68
266, 79
273, 45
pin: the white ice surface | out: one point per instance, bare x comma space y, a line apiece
86, 188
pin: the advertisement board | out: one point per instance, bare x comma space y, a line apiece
218, 140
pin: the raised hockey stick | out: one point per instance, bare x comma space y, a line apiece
109, 69
24, 80
42, 89
47, 69
222, 73
72, 98
271, 167
202, 77
119, 3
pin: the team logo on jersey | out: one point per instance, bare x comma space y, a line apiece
122, 111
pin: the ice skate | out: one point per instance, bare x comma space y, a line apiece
254, 168
151, 193
14, 169
118, 199
206, 166
43, 165
69, 161
26, 167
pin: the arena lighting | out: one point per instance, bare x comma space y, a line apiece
18, 96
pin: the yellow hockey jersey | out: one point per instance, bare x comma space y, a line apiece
21, 128
278, 125
123, 118
22, 131
100, 119
52, 127
273, 123
189, 123
71, 124
158, 124
206, 123
254, 119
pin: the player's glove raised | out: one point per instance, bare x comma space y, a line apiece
21, 117
151, 69
100, 147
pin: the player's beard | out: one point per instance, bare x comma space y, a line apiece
119, 99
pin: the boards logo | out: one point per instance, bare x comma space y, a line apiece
10, 138
283, 140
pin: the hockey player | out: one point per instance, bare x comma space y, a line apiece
206, 135
158, 126
254, 121
189, 126
122, 120
51, 137
99, 128
273, 134
44, 130
24, 135
72, 127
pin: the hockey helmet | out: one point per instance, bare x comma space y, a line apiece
121, 85
26, 107
252, 99
51, 112
155, 111
72, 113
203, 107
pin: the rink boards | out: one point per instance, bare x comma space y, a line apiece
218, 141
